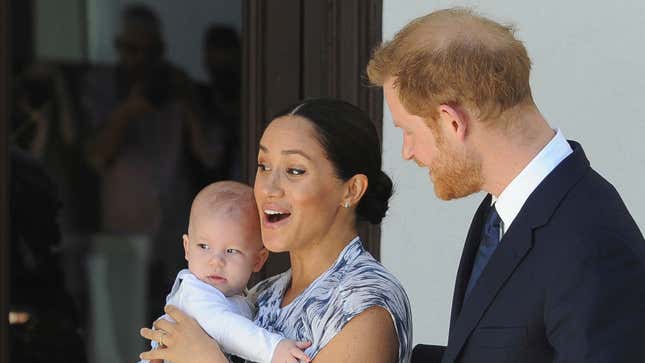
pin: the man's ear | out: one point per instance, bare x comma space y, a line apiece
185, 239
263, 254
454, 120
355, 187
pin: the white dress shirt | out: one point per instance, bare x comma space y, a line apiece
512, 199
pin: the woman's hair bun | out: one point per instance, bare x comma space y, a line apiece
375, 202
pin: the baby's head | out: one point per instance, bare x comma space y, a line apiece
223, 245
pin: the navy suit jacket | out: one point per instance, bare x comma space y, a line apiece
566, 284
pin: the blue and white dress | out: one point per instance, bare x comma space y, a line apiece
354, 283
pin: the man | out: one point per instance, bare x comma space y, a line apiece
553, 264
219, 101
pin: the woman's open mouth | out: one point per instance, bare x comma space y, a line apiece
273, 216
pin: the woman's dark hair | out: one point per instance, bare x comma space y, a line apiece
351, 143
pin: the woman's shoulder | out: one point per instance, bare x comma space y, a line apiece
366, 279
357, 283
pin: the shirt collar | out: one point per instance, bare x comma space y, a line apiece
513, 197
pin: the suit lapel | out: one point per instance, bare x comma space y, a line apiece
514, 246
468, 258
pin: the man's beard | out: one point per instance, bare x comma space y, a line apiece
456, 173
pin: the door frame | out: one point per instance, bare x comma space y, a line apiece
292, 49
5, 60
297, 49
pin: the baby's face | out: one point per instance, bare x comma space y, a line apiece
223, 251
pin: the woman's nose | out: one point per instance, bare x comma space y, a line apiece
272, 184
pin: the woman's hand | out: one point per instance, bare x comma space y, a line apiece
184, 340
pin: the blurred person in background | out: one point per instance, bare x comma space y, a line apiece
219, 101
45, 126
146, 127
44, 322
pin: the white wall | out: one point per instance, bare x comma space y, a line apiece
58, 30
588, 79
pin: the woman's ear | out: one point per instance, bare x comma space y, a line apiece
355, 187
263, 254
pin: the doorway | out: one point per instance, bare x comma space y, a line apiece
288, 50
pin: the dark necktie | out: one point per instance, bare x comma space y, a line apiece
488, 244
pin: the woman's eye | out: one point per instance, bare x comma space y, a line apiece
232, 251
294, 171
202, 246
263, 167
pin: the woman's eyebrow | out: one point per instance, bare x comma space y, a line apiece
288, 152
298, 152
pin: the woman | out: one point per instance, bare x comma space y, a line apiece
319, 173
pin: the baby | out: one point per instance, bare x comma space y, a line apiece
223, 247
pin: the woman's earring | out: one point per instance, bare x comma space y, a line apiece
346, 205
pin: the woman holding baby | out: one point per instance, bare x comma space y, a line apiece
319, 173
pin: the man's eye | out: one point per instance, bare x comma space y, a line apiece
263, 167
232, 251
294, 171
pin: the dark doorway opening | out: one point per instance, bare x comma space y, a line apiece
289, 50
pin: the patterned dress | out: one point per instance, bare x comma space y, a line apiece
354, 283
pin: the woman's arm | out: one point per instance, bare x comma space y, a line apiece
185, 340
368, 337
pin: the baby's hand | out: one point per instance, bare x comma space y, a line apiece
288, 351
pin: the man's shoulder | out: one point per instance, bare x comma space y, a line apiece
592, 203
589, 218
